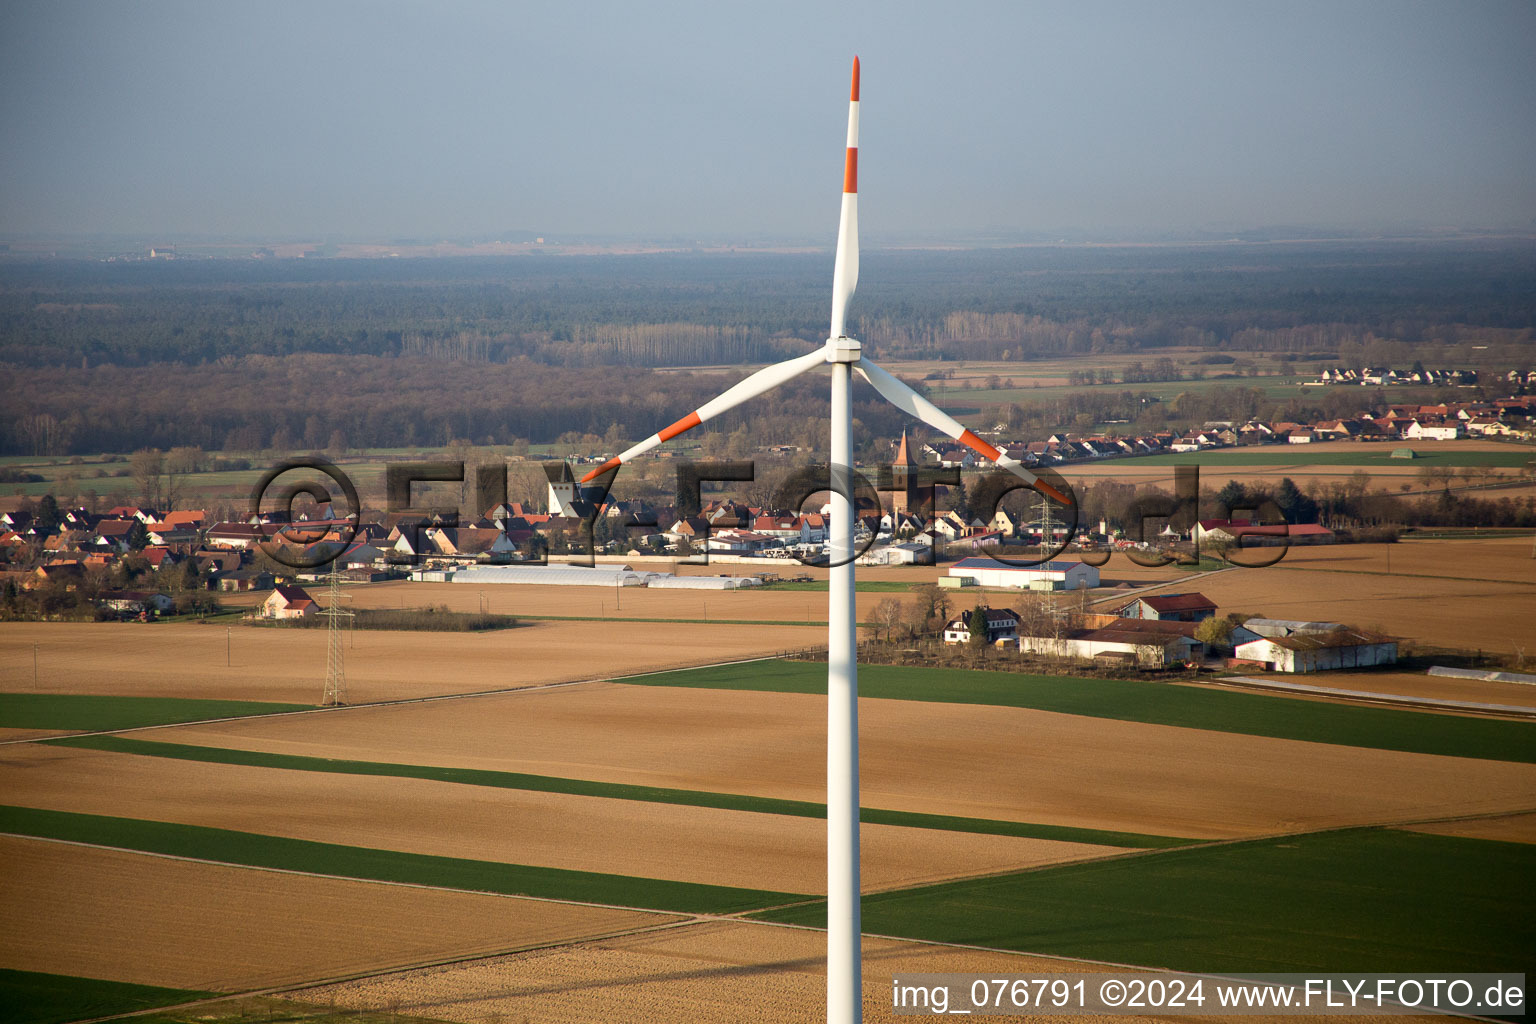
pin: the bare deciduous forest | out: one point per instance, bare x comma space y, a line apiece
241, 355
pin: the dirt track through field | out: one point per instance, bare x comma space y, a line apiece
624, 837
709, 973
969, 760
154, 921
1427, 687
1510, 828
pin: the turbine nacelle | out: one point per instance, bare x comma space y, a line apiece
843, 350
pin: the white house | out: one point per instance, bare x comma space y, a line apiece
1058, 575
237, 535
1433, 431
1487, 426
288, 603
949, 525
1002, 623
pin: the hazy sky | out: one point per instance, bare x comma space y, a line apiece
720, 120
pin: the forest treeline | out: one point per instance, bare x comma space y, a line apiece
316, 402
684, 310
244, 355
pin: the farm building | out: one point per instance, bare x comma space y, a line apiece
239, 580
1244, 533
288, 603
1144, 648
666, 581
1317, 652
1287, 627
591, 576
133, 602
555, 575
1061, 575
1167, 627
912, 553
1170, 608
1002, 623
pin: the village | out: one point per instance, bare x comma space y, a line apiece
136, 562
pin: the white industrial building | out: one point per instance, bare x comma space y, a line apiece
898, 554
1061, 575
584, 576
552, 575
662, 581
1287, 627
1143, 649
1319, 652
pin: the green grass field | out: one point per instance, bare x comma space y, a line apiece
89, 712
1132, 701
253, 850
29, 997
1270, 386
1357, 900
609, 790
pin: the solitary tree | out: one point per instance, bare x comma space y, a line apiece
47, 516
1232, 496
978, 627
933, 600
887, 617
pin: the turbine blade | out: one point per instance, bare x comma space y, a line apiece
766, 379
914, 404
845, 270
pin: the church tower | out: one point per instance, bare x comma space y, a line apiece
904, 497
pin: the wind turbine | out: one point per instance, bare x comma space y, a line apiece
843, 353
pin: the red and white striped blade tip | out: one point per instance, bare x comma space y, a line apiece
612, 463
1051, 492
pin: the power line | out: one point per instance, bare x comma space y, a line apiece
335, 693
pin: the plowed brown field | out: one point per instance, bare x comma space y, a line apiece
772, 605
1486, 558
625, 837
710, 973
987, 762
154, 921
187, 660
1443, 612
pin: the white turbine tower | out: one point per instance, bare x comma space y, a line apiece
843, 353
